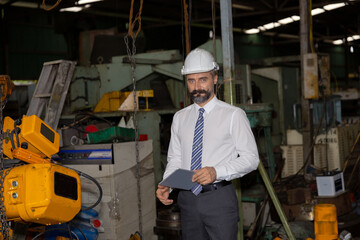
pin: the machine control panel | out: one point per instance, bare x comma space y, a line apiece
85, 154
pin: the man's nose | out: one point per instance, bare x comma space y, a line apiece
197, 85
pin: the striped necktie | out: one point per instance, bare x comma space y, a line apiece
196, 156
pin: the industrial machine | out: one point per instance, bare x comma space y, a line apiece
34, 190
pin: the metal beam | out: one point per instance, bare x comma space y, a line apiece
307, 125
228, 51
229, 78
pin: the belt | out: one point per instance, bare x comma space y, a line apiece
214, 186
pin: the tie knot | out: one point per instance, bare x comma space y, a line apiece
201, 111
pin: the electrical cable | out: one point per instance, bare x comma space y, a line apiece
82, 174
326, 134
12, 139
74, 123
213, 15
186, 21
76, 226
189, 25
52, 7
16, 129
69, 230
311, 37
92, 115
136, 19
182, 31
53, 229
183, 36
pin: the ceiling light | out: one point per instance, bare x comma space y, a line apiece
296, 18
349, 39
356, 37
351, 49
338, 42
286, 20
333, 6
71, 9
252, 31
271, 25
80, 2
25, 4
243, 7
262, 28
317, 11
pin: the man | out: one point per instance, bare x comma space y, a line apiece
215, 140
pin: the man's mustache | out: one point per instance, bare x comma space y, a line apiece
198, 92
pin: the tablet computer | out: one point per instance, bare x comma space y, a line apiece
181, 179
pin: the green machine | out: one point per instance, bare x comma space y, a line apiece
157, 70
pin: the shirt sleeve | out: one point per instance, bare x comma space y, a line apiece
247, 159
174, 151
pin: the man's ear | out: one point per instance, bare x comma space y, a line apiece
215, 79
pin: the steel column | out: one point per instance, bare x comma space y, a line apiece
307, 125
229, 77
228, 51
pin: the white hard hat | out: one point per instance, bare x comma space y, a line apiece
199, 61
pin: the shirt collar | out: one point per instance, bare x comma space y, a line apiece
209, 106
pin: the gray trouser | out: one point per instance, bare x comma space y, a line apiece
212, 215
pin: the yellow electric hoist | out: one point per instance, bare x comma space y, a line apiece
40, 191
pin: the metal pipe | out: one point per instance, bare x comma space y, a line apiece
275, 201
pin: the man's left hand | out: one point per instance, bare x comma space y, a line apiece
204, 175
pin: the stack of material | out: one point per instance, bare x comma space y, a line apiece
330, 149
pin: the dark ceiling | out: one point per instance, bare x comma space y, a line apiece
247, 14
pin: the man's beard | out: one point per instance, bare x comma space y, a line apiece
197, 98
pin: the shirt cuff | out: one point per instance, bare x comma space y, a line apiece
221, 172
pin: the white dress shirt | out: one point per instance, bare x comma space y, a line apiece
228, 142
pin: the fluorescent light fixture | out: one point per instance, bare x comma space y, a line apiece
338, 42
25, 4
271, 25
286, 20
80, 2
252, 31
296, 18
317, 11
351, 49
243, 7
262, 28
330, 7
349, 39
353, 38
71, 9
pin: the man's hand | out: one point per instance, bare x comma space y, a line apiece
162, 193
204, 175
